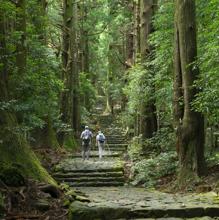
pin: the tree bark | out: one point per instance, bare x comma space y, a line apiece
70, 95
190, 124
75, 72
148, 121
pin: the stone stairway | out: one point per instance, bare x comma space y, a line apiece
92, 177
94, 172
123, 203
101, 182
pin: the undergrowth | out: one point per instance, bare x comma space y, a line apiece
152, 158
148, 171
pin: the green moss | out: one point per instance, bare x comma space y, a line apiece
15, 150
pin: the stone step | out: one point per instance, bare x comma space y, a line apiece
116, 139
104, 170
117, 145
81, 211
169, 218
95, 154
95, 184
91, 179
116, 142
118, 150
90, 174
113, 136
109, 141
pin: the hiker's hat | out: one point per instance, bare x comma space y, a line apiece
86, 127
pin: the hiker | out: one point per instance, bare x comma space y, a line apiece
100, 141
86, 137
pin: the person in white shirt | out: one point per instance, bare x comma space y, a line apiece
100, 142
86, 137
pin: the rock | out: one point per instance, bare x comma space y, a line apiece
82, 199
80, 211
52, 190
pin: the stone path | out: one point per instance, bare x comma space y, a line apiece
136, 203
93, 172
108, 197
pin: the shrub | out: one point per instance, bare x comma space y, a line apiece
148, 171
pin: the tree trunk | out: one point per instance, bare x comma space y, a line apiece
75, 72
70, 96
148, 119
136, 34
190, 124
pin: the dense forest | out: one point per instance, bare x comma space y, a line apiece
152, 64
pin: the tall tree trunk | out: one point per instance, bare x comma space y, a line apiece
70, 96
75, 72
148, 119
66, 66
190, 124
136, 34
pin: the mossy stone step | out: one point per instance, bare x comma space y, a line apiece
117, 145
113, 141
116, 137
91, 179
95, 184
95, 154
81, 211
100, 170
90, 174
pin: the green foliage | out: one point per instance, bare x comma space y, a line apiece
162, 42
208, 51
87, 92
152, 80
70, 143
34, 95
162, 141
135, 148
135, 90
148, 171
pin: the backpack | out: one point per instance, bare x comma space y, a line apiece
86, 138
101, 138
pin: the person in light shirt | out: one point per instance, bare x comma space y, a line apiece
100, 142
86, 137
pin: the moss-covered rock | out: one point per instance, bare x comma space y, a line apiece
15, 150
82, 211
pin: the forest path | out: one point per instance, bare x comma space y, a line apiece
101, 182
